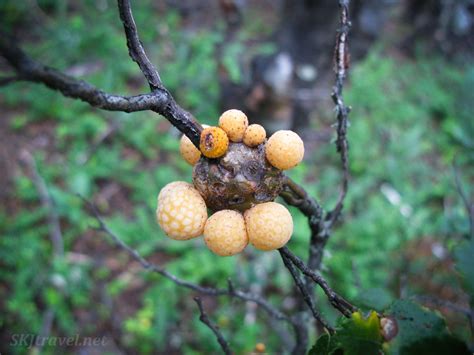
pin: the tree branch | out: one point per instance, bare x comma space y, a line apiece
342, 58
135, 47
215, 329
231, 291
295, 195
304, 292
8, 80
337, 301
159, 100
29, 70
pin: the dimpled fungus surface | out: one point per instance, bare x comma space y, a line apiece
254, 135
225, 233
188, 150
269, 225
284, 149
181, 211
214, 142
234, 123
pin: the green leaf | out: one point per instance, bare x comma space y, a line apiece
420, 331
357, 335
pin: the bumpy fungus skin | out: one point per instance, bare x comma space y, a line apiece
238, 180
181, 211
225, 233
269, 226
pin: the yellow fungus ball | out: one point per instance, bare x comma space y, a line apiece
214, 142
269, 225
234, 123
254, 135
225, 233
284, 149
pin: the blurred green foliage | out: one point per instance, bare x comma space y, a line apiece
410, 119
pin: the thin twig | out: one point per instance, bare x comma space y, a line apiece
215, 329
55, 234
47, 202
304, 292
135, 47
8, 80
336, 301
342, 111
246, 296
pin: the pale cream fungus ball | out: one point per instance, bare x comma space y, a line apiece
284, 149
225, 233
254, 135
188, 150
234, 123
181, 211
269, 225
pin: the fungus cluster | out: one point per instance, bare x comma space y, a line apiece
237, 175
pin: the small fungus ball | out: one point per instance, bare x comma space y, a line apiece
234, 123
188, 150
284, 149
254, 135
225, 233
214, 142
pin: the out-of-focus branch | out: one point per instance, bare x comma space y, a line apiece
336, 301
47, 203
231, 291
8, 80
55, 234
215, 329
